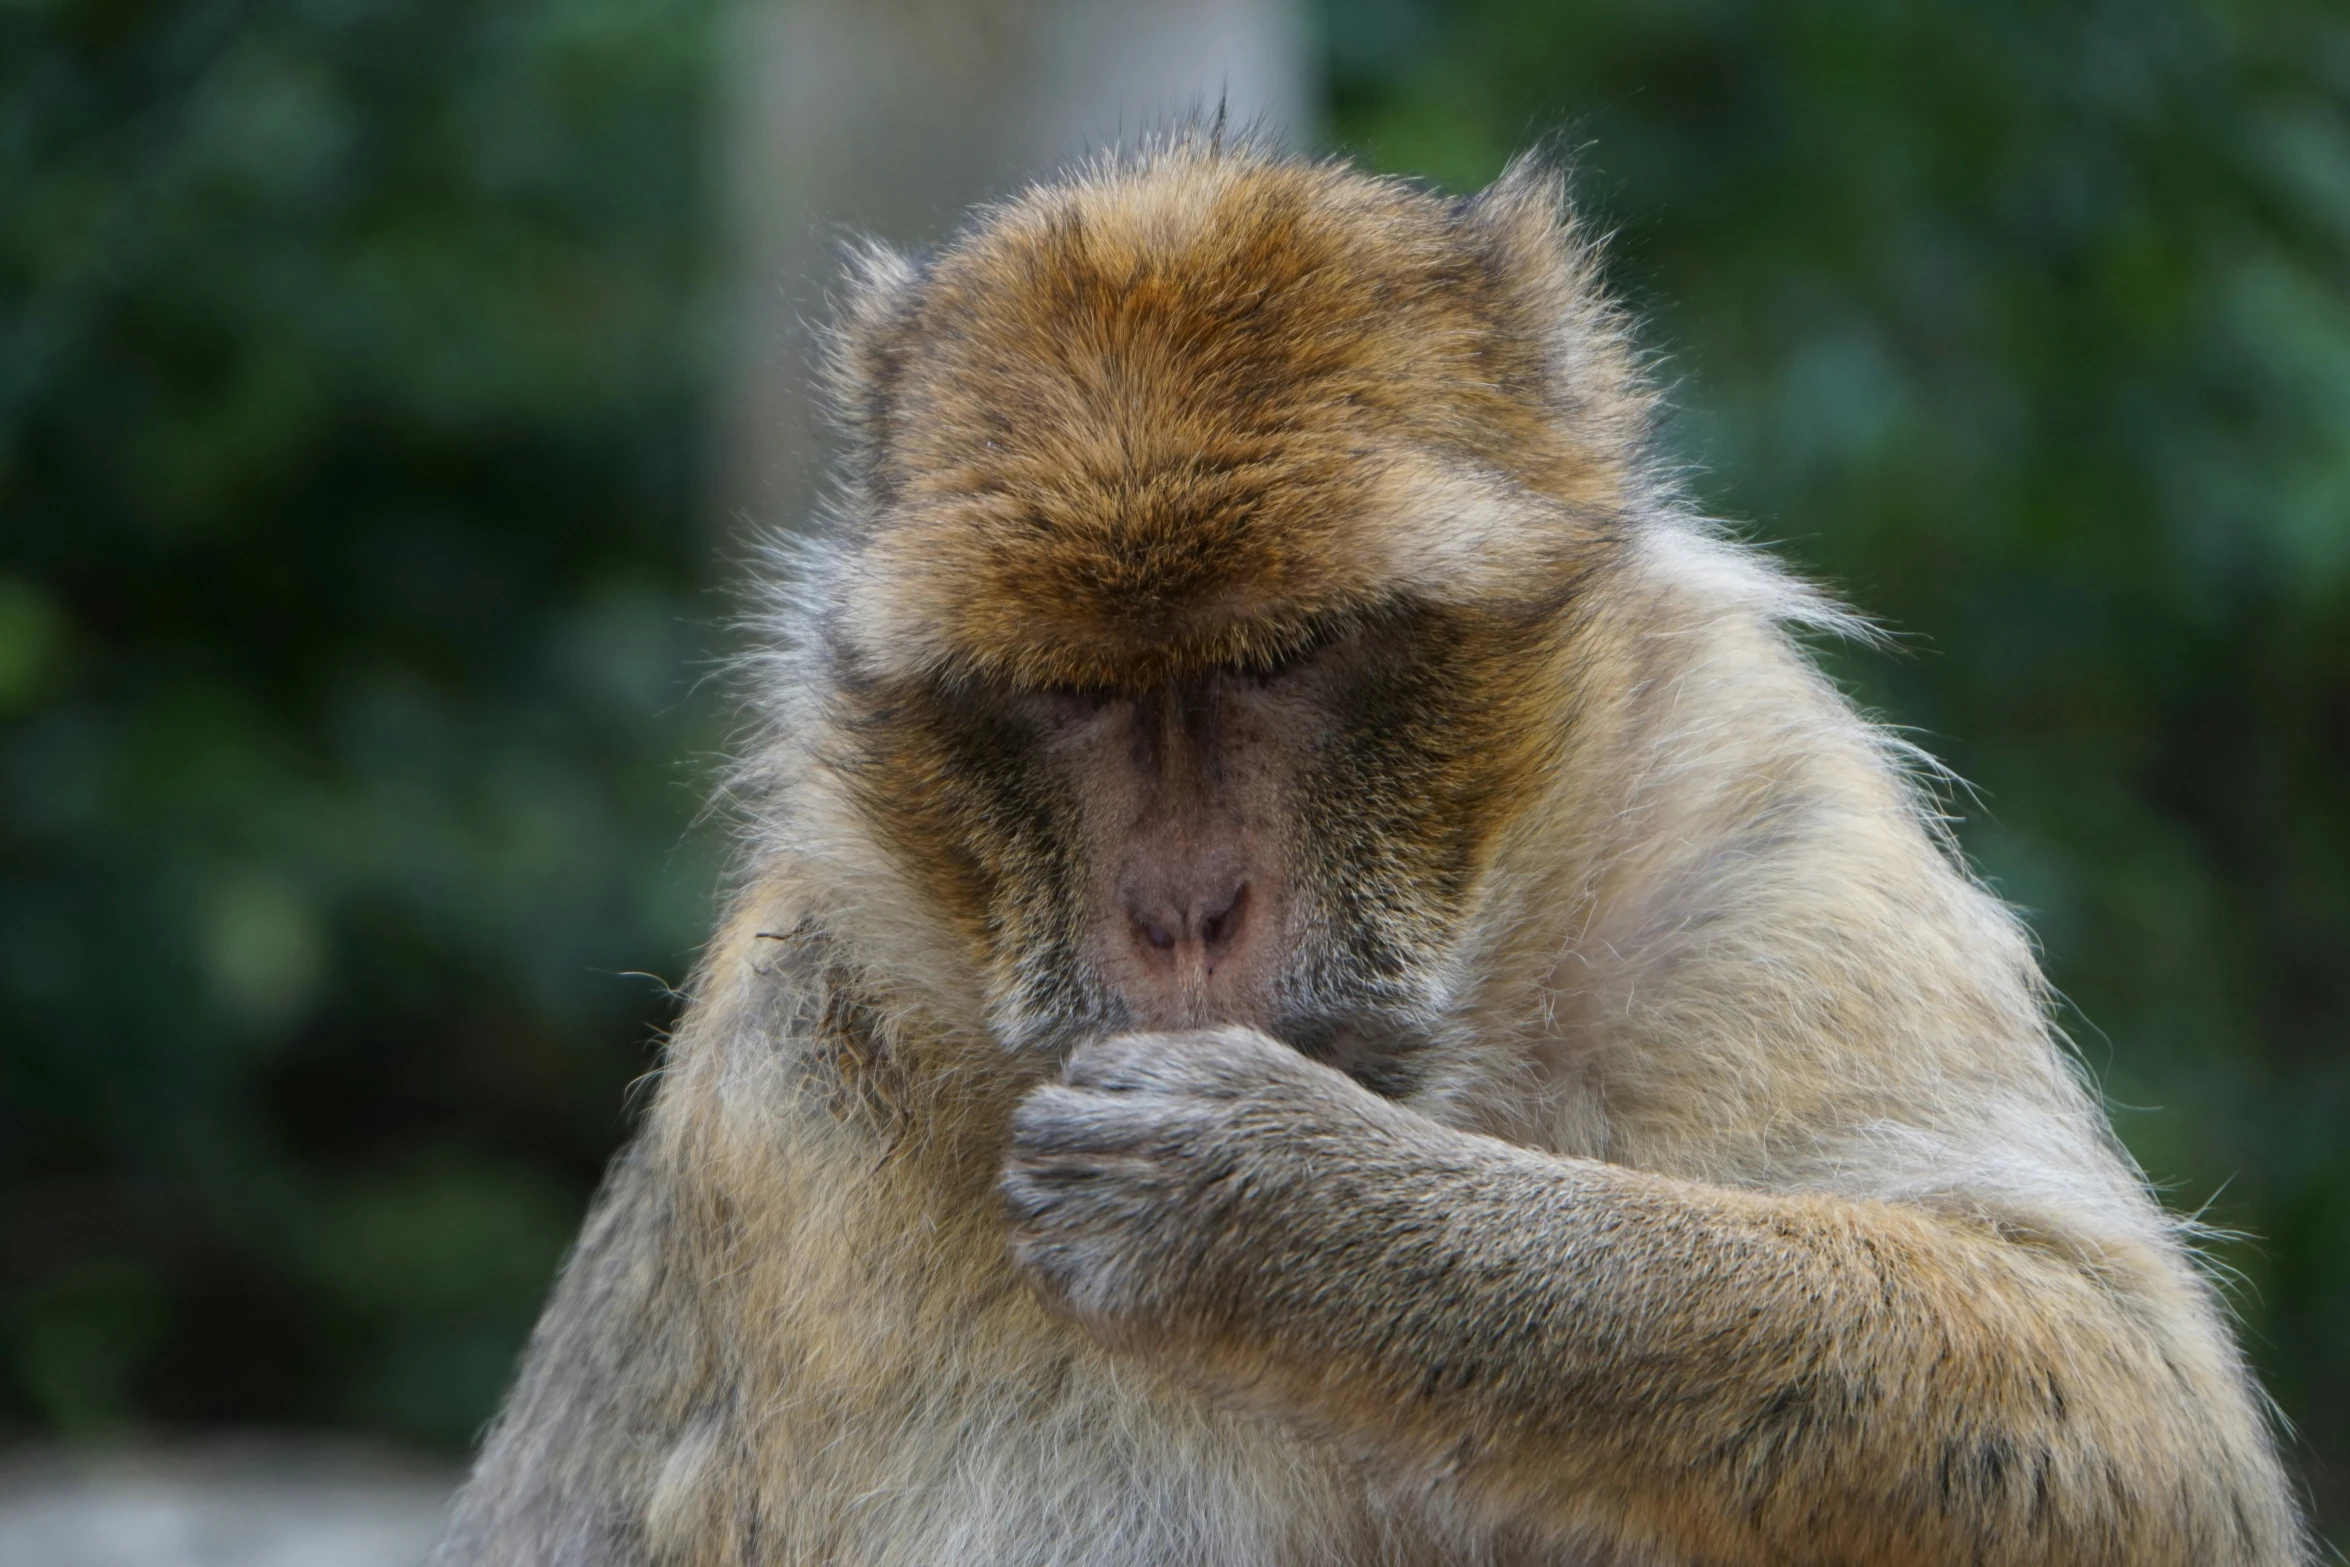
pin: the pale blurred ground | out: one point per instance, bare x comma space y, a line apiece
232, 1503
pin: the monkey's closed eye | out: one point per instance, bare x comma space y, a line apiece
1292, 656
1266, 671
1058, 707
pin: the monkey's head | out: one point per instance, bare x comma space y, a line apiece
1206, 547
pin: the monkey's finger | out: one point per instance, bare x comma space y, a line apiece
1037, 1192
1078, 1276
1215, 1062
1130, 1063
1054, 1119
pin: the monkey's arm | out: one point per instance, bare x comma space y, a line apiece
1626, 1358
562, 1474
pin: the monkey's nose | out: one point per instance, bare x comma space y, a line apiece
1176, 923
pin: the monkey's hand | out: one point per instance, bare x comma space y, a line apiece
1145, 1188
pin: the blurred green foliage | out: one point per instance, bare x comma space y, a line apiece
352, 595
2026, 324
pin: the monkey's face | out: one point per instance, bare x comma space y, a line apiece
1290, 843
1204, 540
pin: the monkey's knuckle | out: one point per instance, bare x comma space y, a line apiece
1140, 1136
1067, 1120
1114, 1061
1140, 1063
1039, 1128
1086, 1282
1086, 1247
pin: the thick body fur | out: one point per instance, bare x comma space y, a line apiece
1675, 1163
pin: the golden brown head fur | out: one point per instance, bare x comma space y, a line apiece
1175, 415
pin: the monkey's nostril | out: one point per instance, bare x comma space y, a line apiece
1179, 919
1217, 930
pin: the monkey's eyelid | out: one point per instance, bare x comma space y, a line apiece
1303, 647
1057, 707
1076, 701
1273, 666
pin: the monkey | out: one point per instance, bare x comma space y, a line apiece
1319, 976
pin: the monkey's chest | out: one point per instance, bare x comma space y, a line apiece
1086, 1465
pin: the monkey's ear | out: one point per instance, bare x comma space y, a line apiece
1530, 194
1527, 221
1549, 266
865, 346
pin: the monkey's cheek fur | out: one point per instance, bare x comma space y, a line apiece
1131, 1185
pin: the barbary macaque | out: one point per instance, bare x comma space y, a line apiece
1318, 978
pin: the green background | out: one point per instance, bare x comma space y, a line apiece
358, 590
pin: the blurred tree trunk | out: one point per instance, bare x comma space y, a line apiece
891, 117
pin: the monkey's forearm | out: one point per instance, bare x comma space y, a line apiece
1718, 1371
1695, 1370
